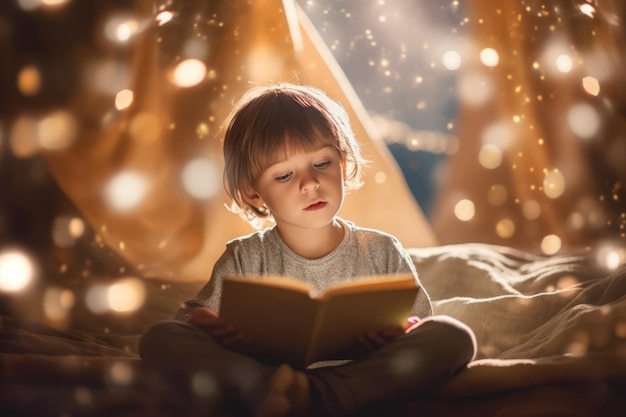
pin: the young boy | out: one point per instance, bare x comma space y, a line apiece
290, 155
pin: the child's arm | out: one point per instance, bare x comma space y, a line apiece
225, 334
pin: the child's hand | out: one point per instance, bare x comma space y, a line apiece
375, 339
213, 325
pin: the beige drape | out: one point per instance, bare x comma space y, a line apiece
551, 129
170, 234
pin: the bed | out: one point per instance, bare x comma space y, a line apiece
551, 333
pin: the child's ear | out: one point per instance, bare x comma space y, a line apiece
254, 199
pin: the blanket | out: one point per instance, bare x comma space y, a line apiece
551, 333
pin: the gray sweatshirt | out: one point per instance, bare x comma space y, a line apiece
362, 253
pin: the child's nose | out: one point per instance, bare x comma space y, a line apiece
308, 183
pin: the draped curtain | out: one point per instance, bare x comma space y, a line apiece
541, 161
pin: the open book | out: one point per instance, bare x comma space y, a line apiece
287, 321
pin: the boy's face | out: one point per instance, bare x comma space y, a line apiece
305, 190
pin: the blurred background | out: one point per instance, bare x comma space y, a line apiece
506, 121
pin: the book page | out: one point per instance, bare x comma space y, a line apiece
346, 316
278, 320
374, 283
275, 281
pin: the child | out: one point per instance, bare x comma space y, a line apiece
290, 154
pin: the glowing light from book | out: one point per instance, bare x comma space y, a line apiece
17, 270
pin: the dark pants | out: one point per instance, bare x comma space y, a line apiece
412, 366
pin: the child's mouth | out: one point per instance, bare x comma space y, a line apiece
316, 206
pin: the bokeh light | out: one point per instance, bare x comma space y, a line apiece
125, 295
490, 156
125, 191
57, 130
66, 230
164, 17
121, 29
505, 228
29, 5
610, 255
23, 137
591, 85
584, 120
121, 373
123, 99
201, 178
564, 63
189, 73
550, 244
451, 60
489, 57
29, 80
145, 128
531, 209
204, 385
57, 303
497, 195
17, 270
464, 210
475, 89
553, 183
500, 134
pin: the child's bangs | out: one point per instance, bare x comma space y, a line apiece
278, 144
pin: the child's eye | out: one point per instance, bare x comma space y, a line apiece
322, 165
283, 178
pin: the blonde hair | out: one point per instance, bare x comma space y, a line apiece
268, 122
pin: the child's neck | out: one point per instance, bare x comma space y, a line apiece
313, 243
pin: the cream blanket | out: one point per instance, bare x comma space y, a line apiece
538, 320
